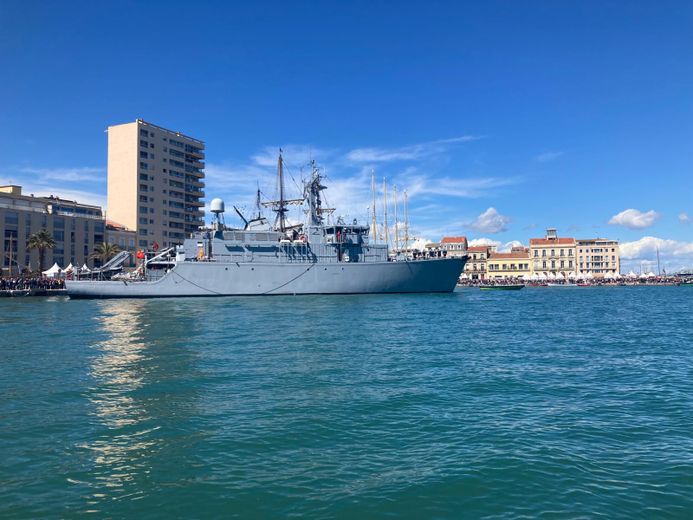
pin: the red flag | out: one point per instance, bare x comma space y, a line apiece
140, 255
155, 246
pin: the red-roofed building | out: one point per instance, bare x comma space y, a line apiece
513, 264
553, 254
475, 268
455, 246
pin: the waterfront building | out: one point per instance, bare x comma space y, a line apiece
598, 257
124, 238
514, 264
475, 268
552, 255
155, 182
76, 228
455, 246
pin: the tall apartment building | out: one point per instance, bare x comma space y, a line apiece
155, 182
598, 257
76, 228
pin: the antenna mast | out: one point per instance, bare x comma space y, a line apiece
396, 223
374, 231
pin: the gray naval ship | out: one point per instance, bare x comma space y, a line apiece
274, 259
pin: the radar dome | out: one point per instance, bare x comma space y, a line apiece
216, 206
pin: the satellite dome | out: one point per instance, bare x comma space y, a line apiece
216, 206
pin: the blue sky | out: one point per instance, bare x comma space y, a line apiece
499, 118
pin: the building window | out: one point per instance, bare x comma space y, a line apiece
144, 133
144, 166
543, 252
143, 220
143, 232
143, 243
144, 143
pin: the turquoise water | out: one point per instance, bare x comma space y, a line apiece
555, 403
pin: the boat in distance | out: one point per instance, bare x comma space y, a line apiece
280, 259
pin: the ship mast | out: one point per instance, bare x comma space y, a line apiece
374, 231
281, 203
396, 223
258, 202
387, 238
406, 223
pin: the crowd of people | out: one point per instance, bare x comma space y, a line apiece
31, 283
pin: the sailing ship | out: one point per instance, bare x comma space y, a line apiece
315, 257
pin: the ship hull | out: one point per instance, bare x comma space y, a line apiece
253, 278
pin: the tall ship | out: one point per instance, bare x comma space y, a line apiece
279, 258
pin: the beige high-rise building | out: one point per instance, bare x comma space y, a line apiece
155, 182
598, 256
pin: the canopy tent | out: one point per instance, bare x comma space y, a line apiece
589, 276
651, 275
541, 276
572, 275
642, 276
527, 277
464, 276
53, 271
84, 269
69, 268
617, 276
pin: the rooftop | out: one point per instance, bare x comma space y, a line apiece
551, 241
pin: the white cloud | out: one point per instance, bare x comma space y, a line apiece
548, 156
484, 242
673, 254
634, 219
490, 221
507, 247
684, 218
646, 247
57, 175
406, 153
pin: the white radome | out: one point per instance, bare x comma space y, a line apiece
216, 206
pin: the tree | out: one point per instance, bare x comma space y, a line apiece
41, 240
104, 252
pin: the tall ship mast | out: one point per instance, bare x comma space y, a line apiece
317, 256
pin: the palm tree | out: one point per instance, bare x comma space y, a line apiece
104, 252
41, 240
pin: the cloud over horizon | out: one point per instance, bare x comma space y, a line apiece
490, 221
635, 219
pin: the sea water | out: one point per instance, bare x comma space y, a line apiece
545, 402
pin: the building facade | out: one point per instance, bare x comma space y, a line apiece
553, 255
124, 238
514, 264
599, 257
455, 246
76, 228
155, 183
475, 268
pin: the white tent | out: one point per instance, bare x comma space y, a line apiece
651, 275
541, 276
69, 268
527, 277
53, 271
84, 269
463, 276
589, 276
572, 276
617, 276
632, 275
642, 276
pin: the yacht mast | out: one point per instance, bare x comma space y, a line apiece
387, 238
396, 223
374, 231
406, 223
